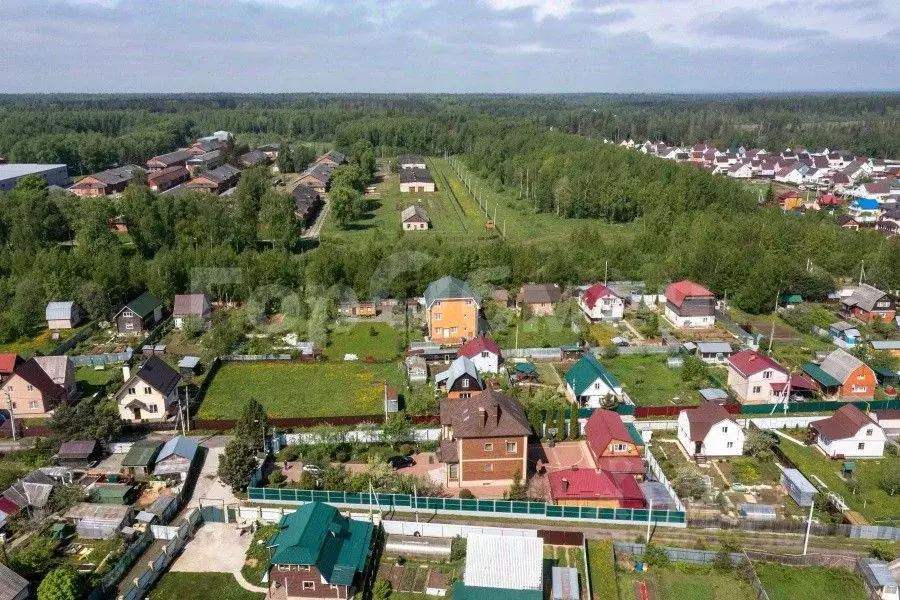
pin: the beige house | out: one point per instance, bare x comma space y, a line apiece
151, 394
39, 385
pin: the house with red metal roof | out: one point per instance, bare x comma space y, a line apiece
484, 353
614, 449
8, 363
849, 433
689, 304
595, 487
758, 379
709, 430
600, 303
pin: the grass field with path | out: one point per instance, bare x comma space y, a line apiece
376, 339
809, 583
200, 586
871, 501
648, 380
291, 389
681, 581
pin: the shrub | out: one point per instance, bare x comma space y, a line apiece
277, 478
407, 449
457, 548
655, 556
883, 550
290, 453
466, 494
722, 560
381, 590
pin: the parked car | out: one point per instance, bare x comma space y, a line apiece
313, 469
400, 462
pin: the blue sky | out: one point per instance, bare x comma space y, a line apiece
448, 45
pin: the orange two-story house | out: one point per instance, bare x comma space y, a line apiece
855, 379
452, 311
484, 440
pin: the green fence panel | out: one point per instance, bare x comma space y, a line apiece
537, 508
639, 514
485, 506
452, 504
256, 493
606, 513
588, 512
625, 409
503, 506
469, 504
571, 512
520, 508
402, 500
553, 511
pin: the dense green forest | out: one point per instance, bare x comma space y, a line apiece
677, 221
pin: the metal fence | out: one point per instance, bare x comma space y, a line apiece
132, 553
82, 334
254, 357
658, 474
487, 508
535, 353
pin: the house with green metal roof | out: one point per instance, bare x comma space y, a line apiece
318, 553
139, 460
591, 384
140, 315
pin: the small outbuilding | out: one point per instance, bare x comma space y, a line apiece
62, 315
98, 521
176, 457
565, 584
416, 369
798, 486
79, 453
12, 585
414, 218
113, 493
141, 457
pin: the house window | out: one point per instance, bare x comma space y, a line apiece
129, 325
756, 389
859, 389
489, 468
512, 447
152, 408
309, 585
465, 383
868, 432
468, 303
29, 387
861, 446
453, 330
488, 447
484, 354
729, 445
767, 374
437, 316
132, 390
860, 377
148, 390
33, 404
725, 429
596, 386
619, 447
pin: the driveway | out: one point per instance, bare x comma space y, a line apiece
216, 547
208, 485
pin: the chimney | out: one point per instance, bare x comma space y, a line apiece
565, 485
126, 372
482, 411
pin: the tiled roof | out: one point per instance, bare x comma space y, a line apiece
477, 345
587, 484
486, 414
8, 362
602, 427
703, 418
540, 293
676, 293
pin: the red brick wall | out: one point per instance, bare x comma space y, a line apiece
294, 582
503, 465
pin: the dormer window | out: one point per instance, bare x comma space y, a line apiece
767, 374
869, 431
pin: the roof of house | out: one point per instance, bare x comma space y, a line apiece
317, 534
59, 310
448, 287
416, 213
885, 344
461, 365
117, 175
844, 423
166, 175
32, 372
115, 513
713, 394
205, 157
113, 493
58, 368
78, 449
540, 293
190, 304
142, 453
11, 583
181, 446
304, 192
504, 562
864, 296
678, 292
586, 371
602, 427
714, 347
254, 157
596, 292
335, 156
461, 591
143, 305
820, 376
415, 175
477, 345
877, 574
157, 373
171, 157
751, 362
31, 490
320, 172
593, 484
840, 364
410, 159
486, 414
220, 174
703, 418
8, 362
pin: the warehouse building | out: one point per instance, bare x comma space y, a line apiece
52, 174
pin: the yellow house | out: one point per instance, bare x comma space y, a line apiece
452, 311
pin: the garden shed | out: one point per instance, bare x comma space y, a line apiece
113, 493
79, 453
176, 457
757, 512
98, 521
798, 486
140, 458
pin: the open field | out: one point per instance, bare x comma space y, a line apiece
871, 501
300, 389
809, 583
200, 586
681, 581
376, 339
536, 332
648, 380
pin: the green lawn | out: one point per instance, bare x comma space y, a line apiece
602, 569
91, 381
872, 502
536, 332
682, 581
300, 389
359, 339
41, 343
648, 380
200, 586
809, 583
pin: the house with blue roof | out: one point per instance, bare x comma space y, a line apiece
864, 210
590, 384
176, 457
318, 553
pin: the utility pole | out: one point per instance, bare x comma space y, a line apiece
606, 273
649, 521
862, 271
775, 316
808, 527
12, 418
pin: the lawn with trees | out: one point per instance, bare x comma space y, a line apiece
650, 382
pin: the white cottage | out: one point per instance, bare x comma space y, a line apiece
709, 431
849, 433
484, 353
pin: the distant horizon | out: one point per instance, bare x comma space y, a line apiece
448, 47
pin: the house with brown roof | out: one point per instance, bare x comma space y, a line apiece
170, 159
689, 304
849, 433
539, 298
164, 179
709, 431
195, 306
37, 386
106, 183
317, 177
215, 181
414, 218
614, 449
484, 440
307, 203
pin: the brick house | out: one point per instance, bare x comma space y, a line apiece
106, 183
689, 304
855, 379
318, 553
332, 158
215, 181
868, 303
452, 311
484, 440
164, 179
171, 159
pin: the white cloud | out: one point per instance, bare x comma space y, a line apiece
542, 9
525, 49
